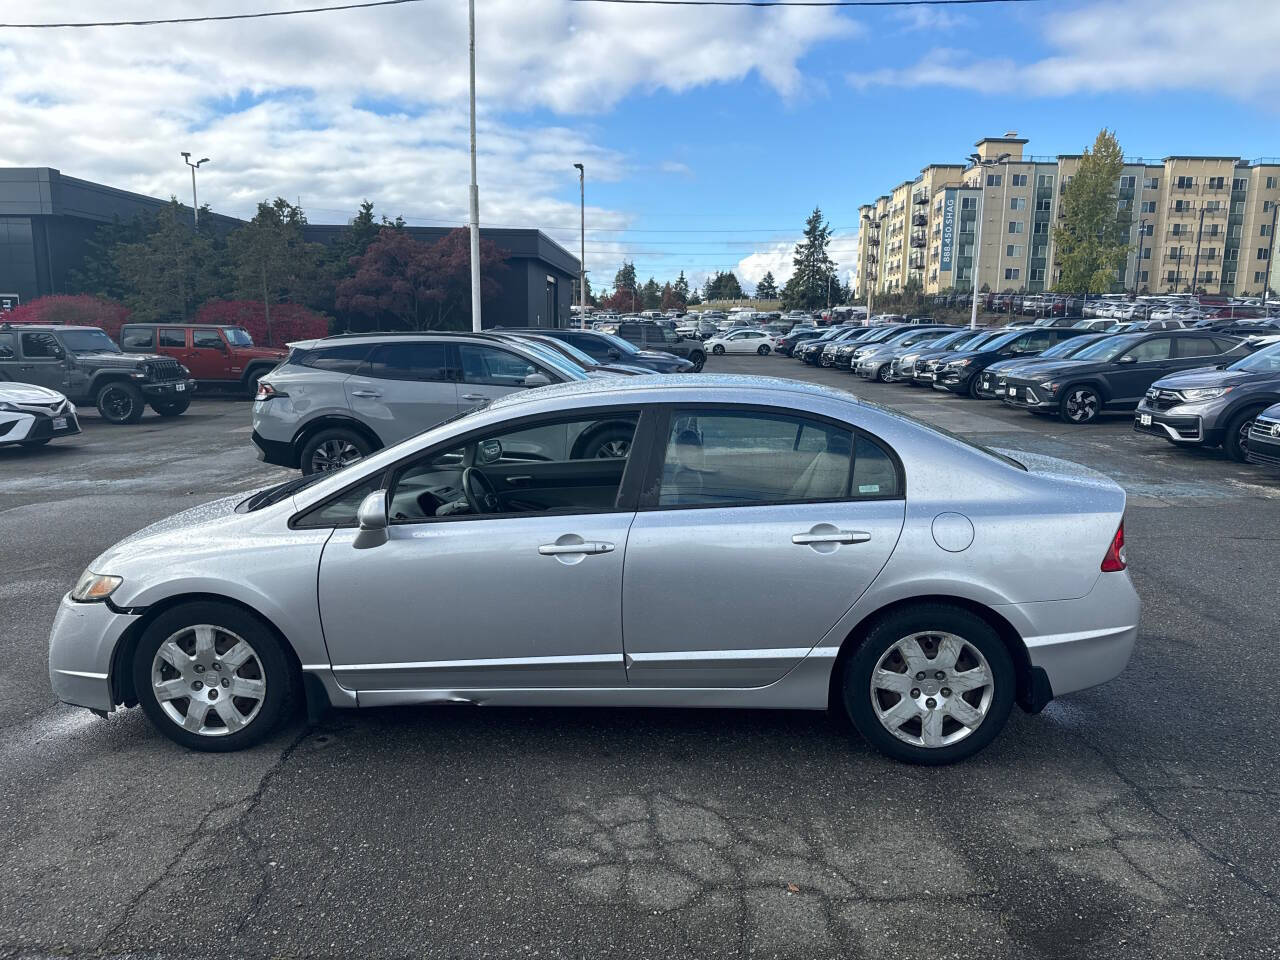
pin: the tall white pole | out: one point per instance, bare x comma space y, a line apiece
582, 251
475, 189
977, 256
195, 200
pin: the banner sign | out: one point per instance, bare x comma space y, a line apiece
949, 205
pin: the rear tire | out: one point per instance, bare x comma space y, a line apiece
948, 640
1235, 440
120, 402
170, 408
763, 350
251, 381
332, 449
611, 442
206, 677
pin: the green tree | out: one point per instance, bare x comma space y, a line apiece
813, 281
680, 289
1093, 240
170, 271
272, 261
767, 288
651, 294
723, 286
626, 292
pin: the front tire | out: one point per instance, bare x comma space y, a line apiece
120, 402
882, 373
607, 443
699, 359
170, 408
213, 677
332, 449
931, 684
1079, 405
1235, 441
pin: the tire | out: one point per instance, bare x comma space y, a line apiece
120, 402
882, 373
252, 378
934, 628
718, 350
974, 384
1079, 404
698, 359
170, 408
266, 676
1234, 439
763, 350
332, 449
610, 442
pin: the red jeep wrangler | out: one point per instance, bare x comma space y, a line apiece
216, 356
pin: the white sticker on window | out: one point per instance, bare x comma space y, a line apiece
868, 488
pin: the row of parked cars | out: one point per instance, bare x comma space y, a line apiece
1191, 387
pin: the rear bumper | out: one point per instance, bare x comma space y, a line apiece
81, 644
276, 452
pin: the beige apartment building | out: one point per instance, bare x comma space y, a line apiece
1207, 217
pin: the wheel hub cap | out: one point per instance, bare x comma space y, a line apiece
208, 680
932, 689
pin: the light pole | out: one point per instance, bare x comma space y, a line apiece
195, 203
582, 257
1195, 264
1137, 261
475, 189
977, 237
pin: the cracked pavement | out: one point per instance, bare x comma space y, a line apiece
1133, 820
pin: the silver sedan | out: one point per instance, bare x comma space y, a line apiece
939, 582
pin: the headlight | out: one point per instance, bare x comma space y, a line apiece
1203, 393
1050, 385
94, 586
138, 374
959, 363
9, 408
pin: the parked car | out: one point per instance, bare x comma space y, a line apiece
1213, 406
605, 348
86, 366
742, 341
961, 373
928, 363
336, 400
31, 415
217, 356
873, 361
1006, 583
1114, 374
787, 341
1264, 438
650, 336
811, 351
837, 351
904, 368
993, 381
573, 354
1095, 324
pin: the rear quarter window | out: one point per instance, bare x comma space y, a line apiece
339, 359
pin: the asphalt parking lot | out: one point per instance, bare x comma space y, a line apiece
1133, 820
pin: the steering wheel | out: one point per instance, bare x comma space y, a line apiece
483, 498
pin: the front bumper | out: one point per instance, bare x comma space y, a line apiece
952, 381
24, 427
81, 645
1176, 427
168, 389
1029, 396
1264, 447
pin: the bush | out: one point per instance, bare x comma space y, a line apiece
289, 321
83, 310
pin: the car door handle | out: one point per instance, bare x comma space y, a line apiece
839, 536
588, 547
367, 394
473, 396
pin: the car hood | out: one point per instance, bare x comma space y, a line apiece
28, 393
1210, 377
1051, 368
121, 360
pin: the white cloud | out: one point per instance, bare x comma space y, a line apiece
775, 258
1143, 45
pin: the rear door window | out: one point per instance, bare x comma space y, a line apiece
139, 338
206, 339
342, 359
410, 361
171, 337
6, 346
40, 346
1198, 347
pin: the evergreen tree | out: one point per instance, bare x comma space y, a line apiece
767, 288
272, 261
169, 272
1093, 239
813, 280
681, 288
625, 289
723, 286
651, 294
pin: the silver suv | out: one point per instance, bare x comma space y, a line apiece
336, 400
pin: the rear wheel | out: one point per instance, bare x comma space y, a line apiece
607, 443
213, 677
120, 402
1079, 405
930, 684
170, 408
763, 350
251, 380
333, 449
1236, 439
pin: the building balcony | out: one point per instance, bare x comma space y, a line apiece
920, 199
918, 242
872, 258
873, 239
919, 220
916, 263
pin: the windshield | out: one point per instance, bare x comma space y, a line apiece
88, 341
557, 361
1108, 348
622, 346
1266, 360
237, 336
1065, 348
563, 346
981, 340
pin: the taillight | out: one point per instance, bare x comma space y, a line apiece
1115, 560
266, 391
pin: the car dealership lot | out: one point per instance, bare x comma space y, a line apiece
1135, 819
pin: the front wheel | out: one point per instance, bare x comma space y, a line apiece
120, 402
1236, 439
698, 359
763, 350
930, 684
213, 677
718, 350
607, 443
1079, 405
882, 373
170, 408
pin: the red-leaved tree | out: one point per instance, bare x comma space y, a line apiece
289, 321
80, 309
419, 286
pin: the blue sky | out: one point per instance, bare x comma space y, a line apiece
708, 134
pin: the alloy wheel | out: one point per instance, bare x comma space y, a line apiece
118, 403
1082, 405
1243, 434
333, 455
208, 680
932, 689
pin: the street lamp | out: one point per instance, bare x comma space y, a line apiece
1137, 261
582, 257
195, 203
474, 197
977, 161
871, 283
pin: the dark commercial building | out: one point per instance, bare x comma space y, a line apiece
47, 220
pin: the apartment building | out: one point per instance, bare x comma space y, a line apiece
1207, 218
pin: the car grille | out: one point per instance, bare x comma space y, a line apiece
1264, 442
1163, 399
1267, 430
165, 369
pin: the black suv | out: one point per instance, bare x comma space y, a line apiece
961, 373
1115, 373
86, 365
1214, 406
606, 348
652, 336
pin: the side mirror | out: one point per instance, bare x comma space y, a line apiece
1126, 359
614, 353
537, 380
372, 518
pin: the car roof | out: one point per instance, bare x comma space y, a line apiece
50, 327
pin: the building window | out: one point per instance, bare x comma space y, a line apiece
1266, 206
1179, 229
1125, 205
1151, 183
1037, 274
1045, 180
1185, 183
1264, 230
1229, 277
994, 179
1011, 273
1146, 253
1042, 227
1171, 278
1016, 226
1143, 276
968, 203
1213, 229
1215, 183
1045, 205
1206, 277
1239, 185
1128, 183
1019, 179
1175, 253
1041, 250
1013, 250
1212, 206
1271, 183
1259, 276
1148, 206
1211, 253
1017, 203
1181, 206
1231, 254
1234, 231
1264, 253
1150, 229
